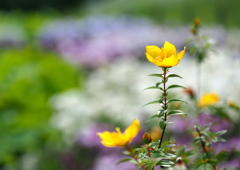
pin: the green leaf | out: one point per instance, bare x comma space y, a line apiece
162, 124
166, 163
176, 112
133, 161
177, 100
199, 163
161, 112
221, 140
170, 155
122, 161
151, 118
221, 132
167, 146
152, 102
170, 123
164, 95
158, 83
161, 99
154, 87
126, 153
174, 75
166, 80
155, 75
153, 163
175, 86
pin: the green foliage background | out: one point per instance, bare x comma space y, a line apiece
28, 78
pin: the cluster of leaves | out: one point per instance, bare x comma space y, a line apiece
206, 138
150, 155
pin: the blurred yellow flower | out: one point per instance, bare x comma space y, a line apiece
112, 139
208, 99
156, 133
164, 57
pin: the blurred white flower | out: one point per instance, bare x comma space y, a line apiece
116, 90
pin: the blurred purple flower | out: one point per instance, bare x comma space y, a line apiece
234, 163
232, 144
96, 41
88, 136
183, 124
217, 122
108, 162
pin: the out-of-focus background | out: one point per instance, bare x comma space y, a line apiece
70, 69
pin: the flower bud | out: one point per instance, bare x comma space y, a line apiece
146, 138
197, 22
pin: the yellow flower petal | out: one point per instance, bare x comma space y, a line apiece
170, 49
149, 57
181, 54
153, 50
132, 130
158, 63
170, 61
112, 139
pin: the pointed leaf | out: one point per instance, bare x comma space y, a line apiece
126, 153
158, 83
170, 155
221, 140
152, 102
161, 112
154, 87
153, 163
177, 100
170, 123
155, 75
221, 132
122, 161
151, 118
175, 86
133, 161
176, 112
174, 75
162, 124
168, 146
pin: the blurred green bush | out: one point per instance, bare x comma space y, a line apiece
28, 78
223, 12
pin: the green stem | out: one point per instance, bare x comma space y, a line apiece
202, 142
164, 104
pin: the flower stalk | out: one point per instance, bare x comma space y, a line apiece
165, 70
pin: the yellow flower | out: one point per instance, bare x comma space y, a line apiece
164, 57
208, 99
112, 139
